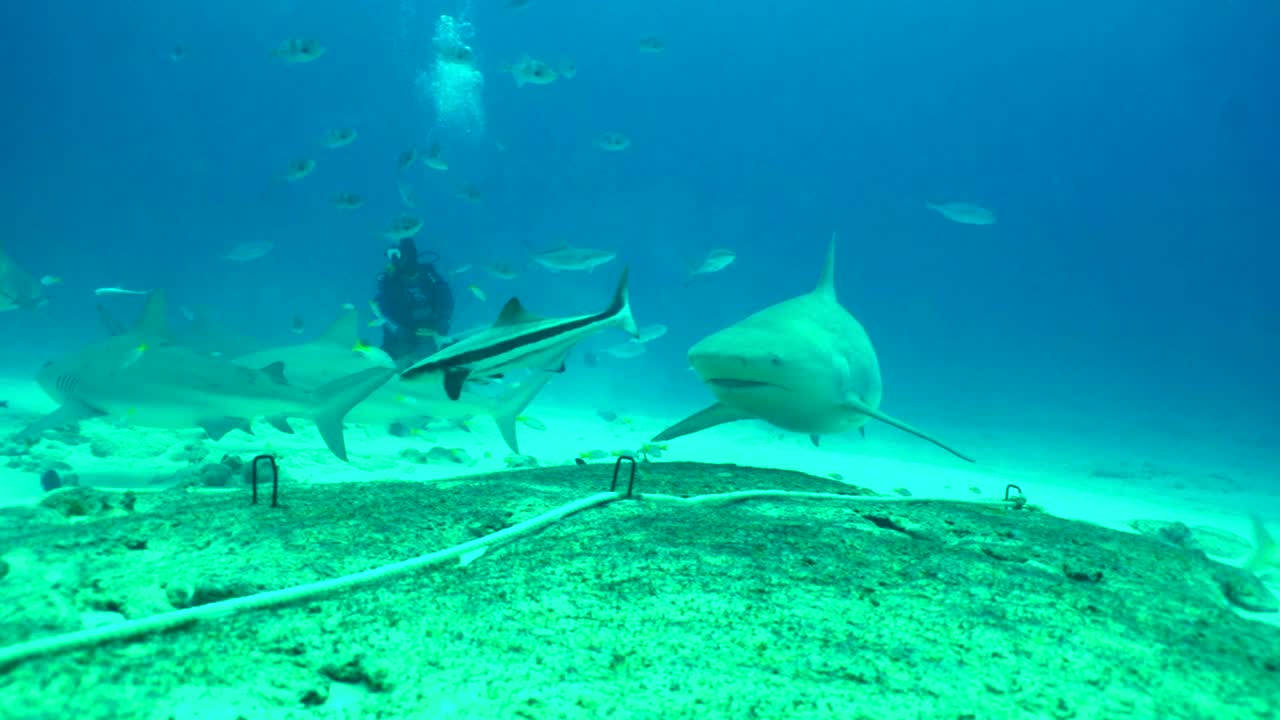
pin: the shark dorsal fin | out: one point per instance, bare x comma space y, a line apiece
275, 371
513, 313
153, 322
827, 283
343, 332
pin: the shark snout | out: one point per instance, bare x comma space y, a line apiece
737, 363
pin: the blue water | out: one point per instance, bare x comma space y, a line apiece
1129, 150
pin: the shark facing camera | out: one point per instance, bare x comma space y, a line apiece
804, 365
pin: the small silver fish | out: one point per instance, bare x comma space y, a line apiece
119, 291
964, 213
715, 261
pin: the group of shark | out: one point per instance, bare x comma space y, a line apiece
803, 365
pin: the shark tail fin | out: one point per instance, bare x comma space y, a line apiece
1267, 552
511, 406
620, 308
334, 400
890, 420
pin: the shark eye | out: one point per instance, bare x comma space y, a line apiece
775, 360
47, 363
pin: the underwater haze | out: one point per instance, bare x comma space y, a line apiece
1126, 149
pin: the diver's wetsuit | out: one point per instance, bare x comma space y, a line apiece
415, 301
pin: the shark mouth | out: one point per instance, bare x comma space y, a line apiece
736, 384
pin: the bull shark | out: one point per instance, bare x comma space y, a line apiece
804, 365
339, 352
139, 375
520, 339
18, 288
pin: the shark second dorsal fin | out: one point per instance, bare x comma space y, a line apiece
154, 319
513, 313
275, 371
343, 332
827, 282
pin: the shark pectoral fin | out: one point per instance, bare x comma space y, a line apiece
815, 440
218, 427
69, 413
334, 400
453, 380
863, 432
717, 414
280, 423
858, 406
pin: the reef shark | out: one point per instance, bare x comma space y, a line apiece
141, 377
520, 339
339, 352
804, 365
18, 288
568, 257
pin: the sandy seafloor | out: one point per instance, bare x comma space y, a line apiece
1062, 475
1072, 477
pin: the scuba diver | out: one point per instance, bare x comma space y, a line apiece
414, 303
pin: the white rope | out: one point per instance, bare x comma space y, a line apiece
745, 495
131, 629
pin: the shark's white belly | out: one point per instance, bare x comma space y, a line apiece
792, 410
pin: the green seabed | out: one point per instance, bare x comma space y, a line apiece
694, 597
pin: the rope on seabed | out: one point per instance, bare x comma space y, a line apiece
131, 629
